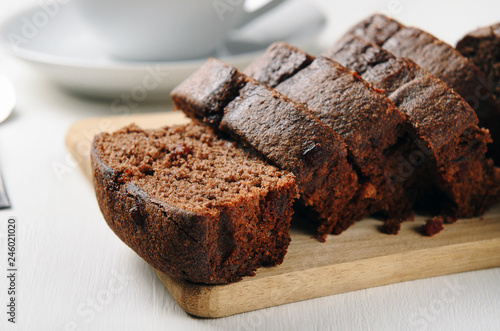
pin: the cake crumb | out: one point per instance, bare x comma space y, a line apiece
434, 225
449, 219
391, 226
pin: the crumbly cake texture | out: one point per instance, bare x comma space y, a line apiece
482, 47
368, 122
441, 60
191, 204
449, 147
284, 132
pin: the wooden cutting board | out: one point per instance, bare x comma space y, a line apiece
361, 257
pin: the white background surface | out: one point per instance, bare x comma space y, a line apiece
74, 272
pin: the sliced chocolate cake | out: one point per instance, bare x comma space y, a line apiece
193, 205
441, 60
482, 47
284, 132
451, 146
368, 122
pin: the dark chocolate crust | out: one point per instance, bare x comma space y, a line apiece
297, 142
205, 94
289, 136
482, 46
366, 119
441, 60
280, 62
444, 126
209, 245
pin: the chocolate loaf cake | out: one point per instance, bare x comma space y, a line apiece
368, 122
441, 60
193, 205
482, 47
451, 147
284, 132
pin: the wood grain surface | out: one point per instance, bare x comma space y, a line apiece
361, 257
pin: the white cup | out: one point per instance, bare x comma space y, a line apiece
155, 30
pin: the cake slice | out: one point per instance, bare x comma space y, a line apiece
368, 122
284, 132
482, 47
441, 60
449, 148
192, 204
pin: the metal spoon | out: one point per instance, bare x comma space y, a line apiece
4, 199
7, 103
8, 99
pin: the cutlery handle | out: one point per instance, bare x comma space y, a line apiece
4, 199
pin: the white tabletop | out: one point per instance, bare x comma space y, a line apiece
75, 274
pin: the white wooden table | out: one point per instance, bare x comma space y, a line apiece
75, 274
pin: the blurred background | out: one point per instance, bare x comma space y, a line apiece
60, 48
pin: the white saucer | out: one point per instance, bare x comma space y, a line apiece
67, 54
